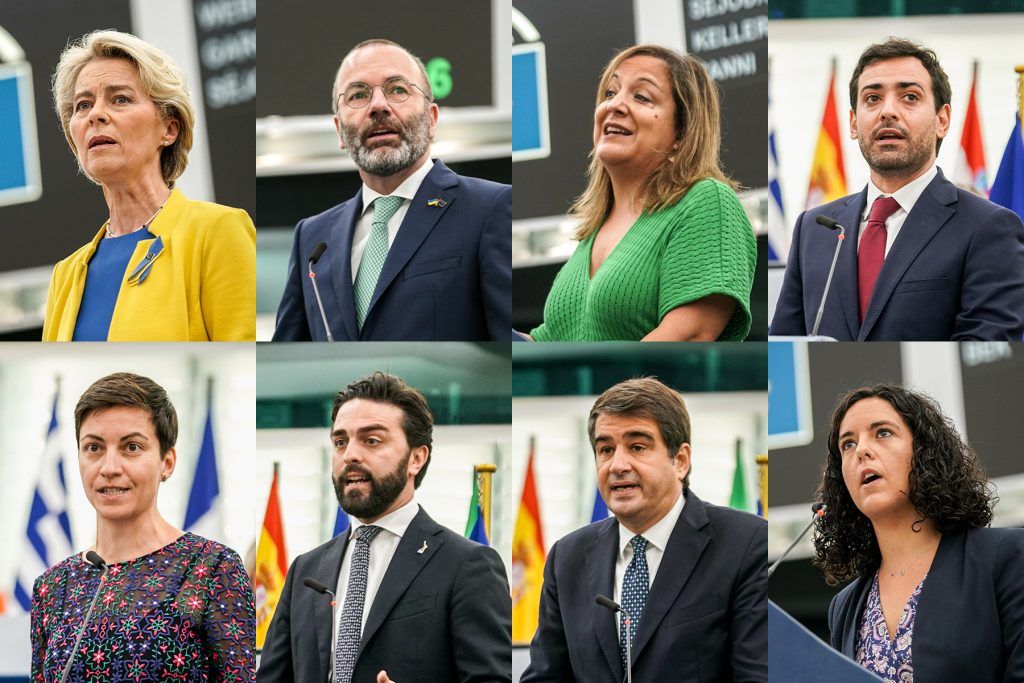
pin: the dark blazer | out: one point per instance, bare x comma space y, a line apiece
969, 626
441, 615
447, 276
955, 272
706, 614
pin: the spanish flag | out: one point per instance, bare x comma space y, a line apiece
271, 564
527, 561
828, 177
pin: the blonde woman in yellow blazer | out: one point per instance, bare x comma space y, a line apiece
162, 267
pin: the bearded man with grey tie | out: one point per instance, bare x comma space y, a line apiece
416, 602
693, 576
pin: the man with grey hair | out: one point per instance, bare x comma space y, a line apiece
419, 253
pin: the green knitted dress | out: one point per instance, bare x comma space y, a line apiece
703, 245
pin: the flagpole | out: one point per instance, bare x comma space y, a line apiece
484, 472
1020, 95
762, 466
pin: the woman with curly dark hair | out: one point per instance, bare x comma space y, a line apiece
936, 595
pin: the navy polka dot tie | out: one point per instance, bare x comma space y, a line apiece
350, 628
635, 584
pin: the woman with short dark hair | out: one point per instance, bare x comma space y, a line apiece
173, 605
935, 596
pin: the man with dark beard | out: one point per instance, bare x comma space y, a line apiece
922, 259
416, 602
419, 253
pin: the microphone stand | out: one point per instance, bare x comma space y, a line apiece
818, 510
97, 562
831, 225
614, 607
324, 590
313, 258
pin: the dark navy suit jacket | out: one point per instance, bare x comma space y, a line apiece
447, 276
969, 626
954, 272
440, 616
706, 614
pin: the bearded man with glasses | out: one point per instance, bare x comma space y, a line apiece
420, 253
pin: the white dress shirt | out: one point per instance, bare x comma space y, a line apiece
906, 197
407, 190
657, 538
382, 549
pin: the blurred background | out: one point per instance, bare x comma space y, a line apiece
977, 385
554, 386
212, 383
560, 50
47, 208
812, 159
300, 171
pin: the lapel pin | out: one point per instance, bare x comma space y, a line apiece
423, 549
437, 201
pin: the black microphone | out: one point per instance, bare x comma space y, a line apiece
324, 590
818, 510
318, 251
831, 225
615, 607
95, 560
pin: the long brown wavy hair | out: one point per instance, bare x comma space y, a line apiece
698, 130
947, 484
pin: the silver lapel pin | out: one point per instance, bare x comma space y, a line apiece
423, 549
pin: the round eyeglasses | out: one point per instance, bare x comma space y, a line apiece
397, 90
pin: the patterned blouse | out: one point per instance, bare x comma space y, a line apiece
180, 614
890, 659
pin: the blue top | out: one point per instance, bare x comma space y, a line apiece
103, 282
887, 657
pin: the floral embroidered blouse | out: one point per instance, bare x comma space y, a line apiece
180, 614
876, 652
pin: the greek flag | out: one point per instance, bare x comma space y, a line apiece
340, 523
778, 233
48, 536
203, 514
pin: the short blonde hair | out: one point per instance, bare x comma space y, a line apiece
162, 80
698, 131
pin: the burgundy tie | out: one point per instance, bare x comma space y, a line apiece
872, 250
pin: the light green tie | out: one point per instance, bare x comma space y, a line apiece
374, 254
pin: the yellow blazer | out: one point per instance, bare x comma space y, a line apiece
200, 287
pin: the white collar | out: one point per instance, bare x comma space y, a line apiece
906, 196
407, 190
659, 533
396, 522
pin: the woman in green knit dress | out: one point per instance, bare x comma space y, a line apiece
665, 252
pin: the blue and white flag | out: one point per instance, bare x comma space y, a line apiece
1008, 187
48, 535
340, 523
600, 509
204, 515
778, 229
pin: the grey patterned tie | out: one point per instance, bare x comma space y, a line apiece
350, 628
373, 256
635, 584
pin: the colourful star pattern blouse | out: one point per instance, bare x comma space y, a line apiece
180, 614
890, 659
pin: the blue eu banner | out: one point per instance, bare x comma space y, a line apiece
19, 155
529, 103
789, 395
